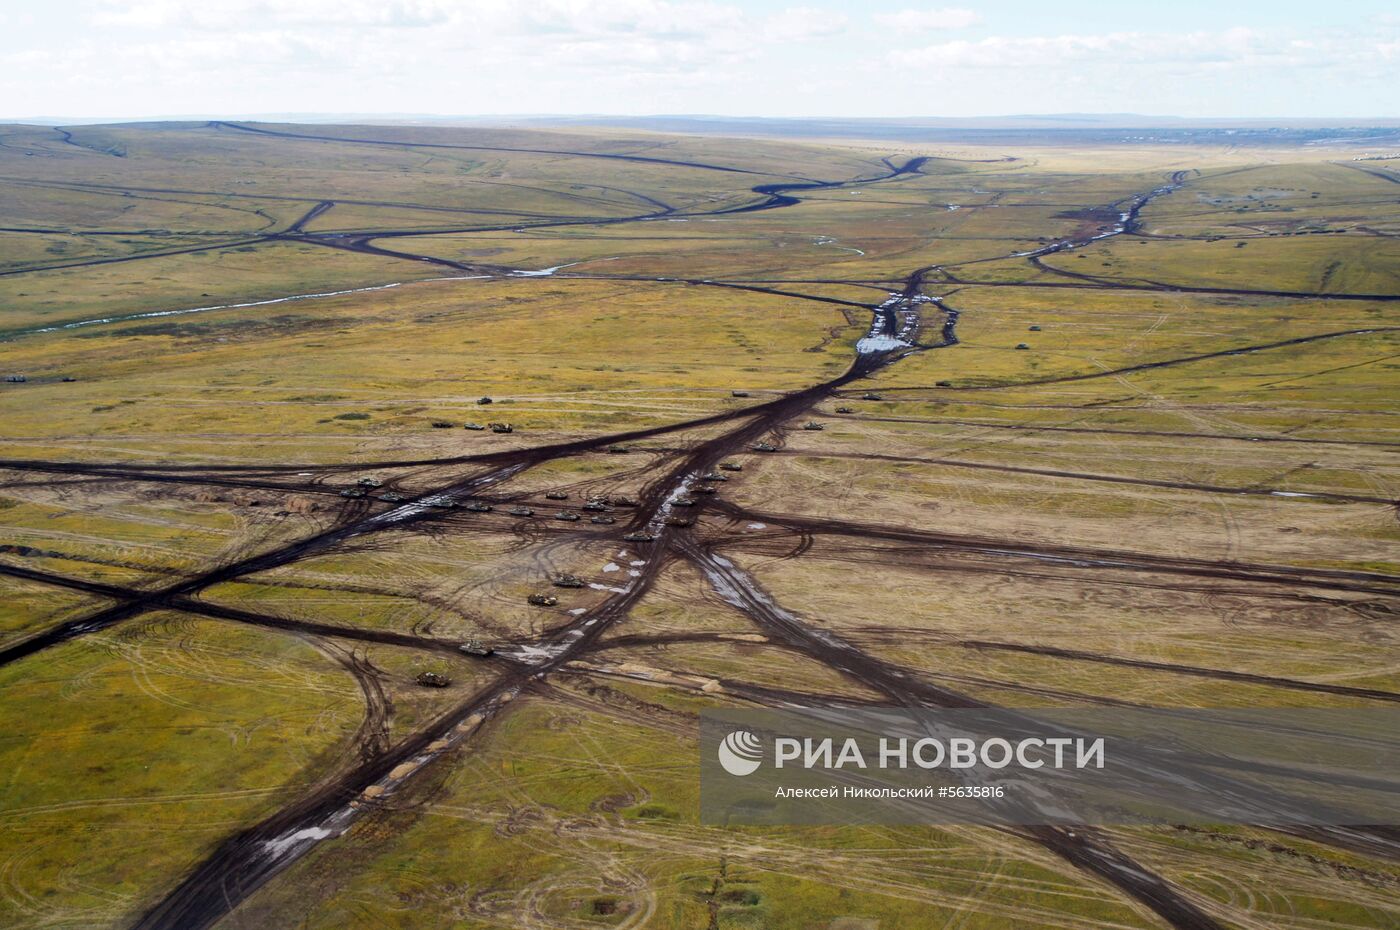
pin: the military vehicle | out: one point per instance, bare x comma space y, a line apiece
713, 476
640, 537
845, 410
871, 395
943, 384
618, 450
478, 507
433, 680
441, 501
441, 424
484, 400
621, 500
601, 518
556, 495
1034, 329
677, 520
813, 426
521, 512
502, 428
683, 502
474, 427
369, 482
738, 393
764, 447
68, 379
542, 600
353, 492
567, 515
704, 489
475, 647
391, 497
730, 466
595, 505
16, 379
565, 580
1022, 345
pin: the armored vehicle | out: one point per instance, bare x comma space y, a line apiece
567, 515
556, 495
433, 680
565, 580
475, 647
521, 512
478, 507
542, 600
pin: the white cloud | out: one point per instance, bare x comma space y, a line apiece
803, 22
927, 20
1237, 48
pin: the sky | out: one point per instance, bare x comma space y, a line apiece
881, 58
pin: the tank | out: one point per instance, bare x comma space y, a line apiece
433, 680
943, 384
441, 501
502, 428
595, 505
704, 489
713, 476
521, 512
871, 395
68, 379
813, 426
639, 537
738, 393
566, 515
16, 379
391, 497
478, 507
484, 401
683, 502
845, 410
556, 495
764, 447
353, 492
621, 500
474, 427
441, 424
618, 450
475, 647
676, 520
369, 482
542, 600
601, 518
1033, 329
1022, 345
730, 466
565, 580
